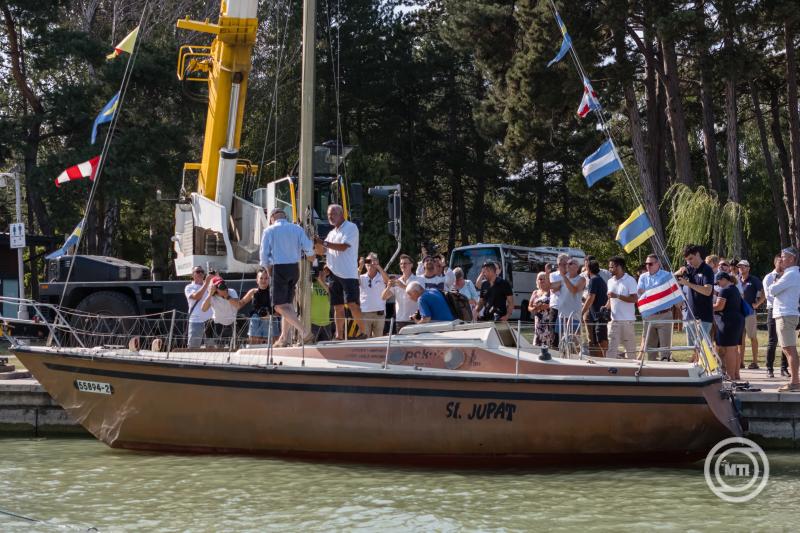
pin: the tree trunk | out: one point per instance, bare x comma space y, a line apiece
655, 129
33, 134
783, 157
646, 178
774, 185
706, 102
676, 115
729, 19
794, 120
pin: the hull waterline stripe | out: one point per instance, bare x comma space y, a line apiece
393, 391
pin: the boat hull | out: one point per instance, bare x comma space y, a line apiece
372, 417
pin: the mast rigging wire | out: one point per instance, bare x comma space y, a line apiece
126, 78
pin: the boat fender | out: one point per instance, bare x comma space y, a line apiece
157, 345
613, 370
134, 344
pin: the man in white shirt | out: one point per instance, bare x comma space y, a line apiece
622, 296
224, 303
772, 332
371, 286
785, 296
196, 293
341, 251
431, 277
404, 306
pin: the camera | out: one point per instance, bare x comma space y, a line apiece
367, 261
416, 316
262, 312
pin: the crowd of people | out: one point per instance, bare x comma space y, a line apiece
720, 302
720, 299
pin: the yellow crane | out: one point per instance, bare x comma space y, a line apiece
214, 226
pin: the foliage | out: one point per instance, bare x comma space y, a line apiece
452, 99
699, 217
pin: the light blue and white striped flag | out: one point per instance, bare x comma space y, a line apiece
601, 163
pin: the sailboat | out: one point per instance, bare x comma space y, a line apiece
453, 393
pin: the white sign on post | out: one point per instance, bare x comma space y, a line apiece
17, 234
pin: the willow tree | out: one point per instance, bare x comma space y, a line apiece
699, 217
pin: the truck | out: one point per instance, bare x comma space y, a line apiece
216, 226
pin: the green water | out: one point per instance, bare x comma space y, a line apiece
71, 484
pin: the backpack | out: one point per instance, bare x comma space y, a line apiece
458, 304
747, 309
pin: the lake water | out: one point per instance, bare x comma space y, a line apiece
72, 484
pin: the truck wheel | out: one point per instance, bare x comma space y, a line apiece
107, 303
524, 314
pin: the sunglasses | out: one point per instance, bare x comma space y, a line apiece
651, 264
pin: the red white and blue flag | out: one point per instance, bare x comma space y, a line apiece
663, 294
589, 102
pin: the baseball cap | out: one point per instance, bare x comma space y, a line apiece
743, 263
219, 283
199, 269
791, 250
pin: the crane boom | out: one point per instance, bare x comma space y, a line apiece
227, 63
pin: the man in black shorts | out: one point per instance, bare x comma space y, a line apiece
281, 247
594, 313
341, 251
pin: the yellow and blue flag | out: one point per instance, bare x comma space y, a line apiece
635, 230
566, 44
71, 241
106, 115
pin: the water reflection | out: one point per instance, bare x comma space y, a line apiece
80, 482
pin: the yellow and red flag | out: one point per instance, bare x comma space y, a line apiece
125, 45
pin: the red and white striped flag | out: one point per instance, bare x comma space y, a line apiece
87, 169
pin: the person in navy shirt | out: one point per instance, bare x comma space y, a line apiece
432, 304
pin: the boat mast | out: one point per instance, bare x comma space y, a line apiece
306, 174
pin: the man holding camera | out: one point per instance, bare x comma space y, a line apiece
371, 287
496, 296
196, 293
697, 280
281, 247
224, 303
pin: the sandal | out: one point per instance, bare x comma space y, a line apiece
280, 344
790, 387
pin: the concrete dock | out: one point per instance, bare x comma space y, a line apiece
773, 418
26, 410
